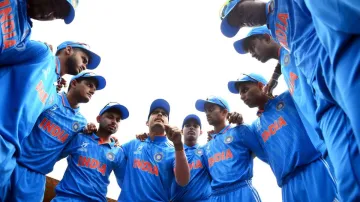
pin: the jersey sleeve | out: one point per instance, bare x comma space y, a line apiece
251, 141
70, 146
126, 148
120, 167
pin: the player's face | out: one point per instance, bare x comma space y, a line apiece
46, 10
250, 93
214, 114
77, 62
85, 89
157, 119
109, 121
248, 13
259, 48
191, 131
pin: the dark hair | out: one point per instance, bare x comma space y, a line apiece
75, 50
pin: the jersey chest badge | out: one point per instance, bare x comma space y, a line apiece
280, 105
286, 59
83, 147
158, 157
199, 152
76, 126
228, 139
138, 150
110, 156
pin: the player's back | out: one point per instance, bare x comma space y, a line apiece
284, 138
54, 128
90, 164
229, 161
29, 90
15, 31
149, 171
198, 188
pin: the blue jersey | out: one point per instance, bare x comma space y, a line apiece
15, 31
292, 27
284, 138
198, 188
229, 156
90, 164
149, 171
303, 96
53, 130
29, 90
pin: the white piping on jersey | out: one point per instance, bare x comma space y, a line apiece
254, 192
328, 169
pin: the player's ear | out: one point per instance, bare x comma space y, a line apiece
98, 118
260, 85
147, 123
201, 132
68, 50
267, 38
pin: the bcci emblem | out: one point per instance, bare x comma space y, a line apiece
75, 126
280, 106
158, 157
286, 59
199, 152
228, 139
110, 156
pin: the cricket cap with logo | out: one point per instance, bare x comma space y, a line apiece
94, 59
71, 15
232, 85
101, 80
239, 45
114, 105
159, 104
226, 28
191, 117
200, 103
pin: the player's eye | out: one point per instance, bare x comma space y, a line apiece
85, 60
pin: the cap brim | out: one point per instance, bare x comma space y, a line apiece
101, 82
239, 46
162, 104
123, 110
94, 60
228, 30
68, 19
194, 117
200, 105
232, 87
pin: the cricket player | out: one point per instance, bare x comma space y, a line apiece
292, 27
261, 46
30, 89
92, 158
16, 25
150, 168
229, 153
198, 188
53, 130
291, 155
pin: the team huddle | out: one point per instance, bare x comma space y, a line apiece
308, 135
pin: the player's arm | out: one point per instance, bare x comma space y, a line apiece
269, 88
251, 141
71, 146
182, 171
120, 166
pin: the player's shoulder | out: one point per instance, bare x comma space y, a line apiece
240, 128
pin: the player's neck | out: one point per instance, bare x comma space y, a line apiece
72, 100
152, 134
190, 143
262, 102
63, 67
104, 135
277, 50
219, 127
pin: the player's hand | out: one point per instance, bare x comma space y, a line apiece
90, 128
174, 135
50, 46
60, 84
117, 144
234, 117
142, 137
210, 133
269, 88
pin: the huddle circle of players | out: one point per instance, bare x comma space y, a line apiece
309, 135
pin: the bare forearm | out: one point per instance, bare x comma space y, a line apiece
182, 171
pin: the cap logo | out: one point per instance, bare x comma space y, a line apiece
280, 105
158, 157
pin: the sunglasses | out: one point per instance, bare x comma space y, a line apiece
249, 77
110, 104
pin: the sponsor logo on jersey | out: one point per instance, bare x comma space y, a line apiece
146, 167
92, 164
273, 128
220, 156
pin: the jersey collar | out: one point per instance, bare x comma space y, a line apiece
157, 139
224, 130
193, 147
101, 142
66, 103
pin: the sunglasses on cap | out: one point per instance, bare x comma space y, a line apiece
223, 8
212, 97
110, 104
249, 77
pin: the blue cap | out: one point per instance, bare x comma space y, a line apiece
191, 116
247, 77
101, 80
70, 17
226, 29
200, 104
94, 60
239, 45
159, 103
114, 105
